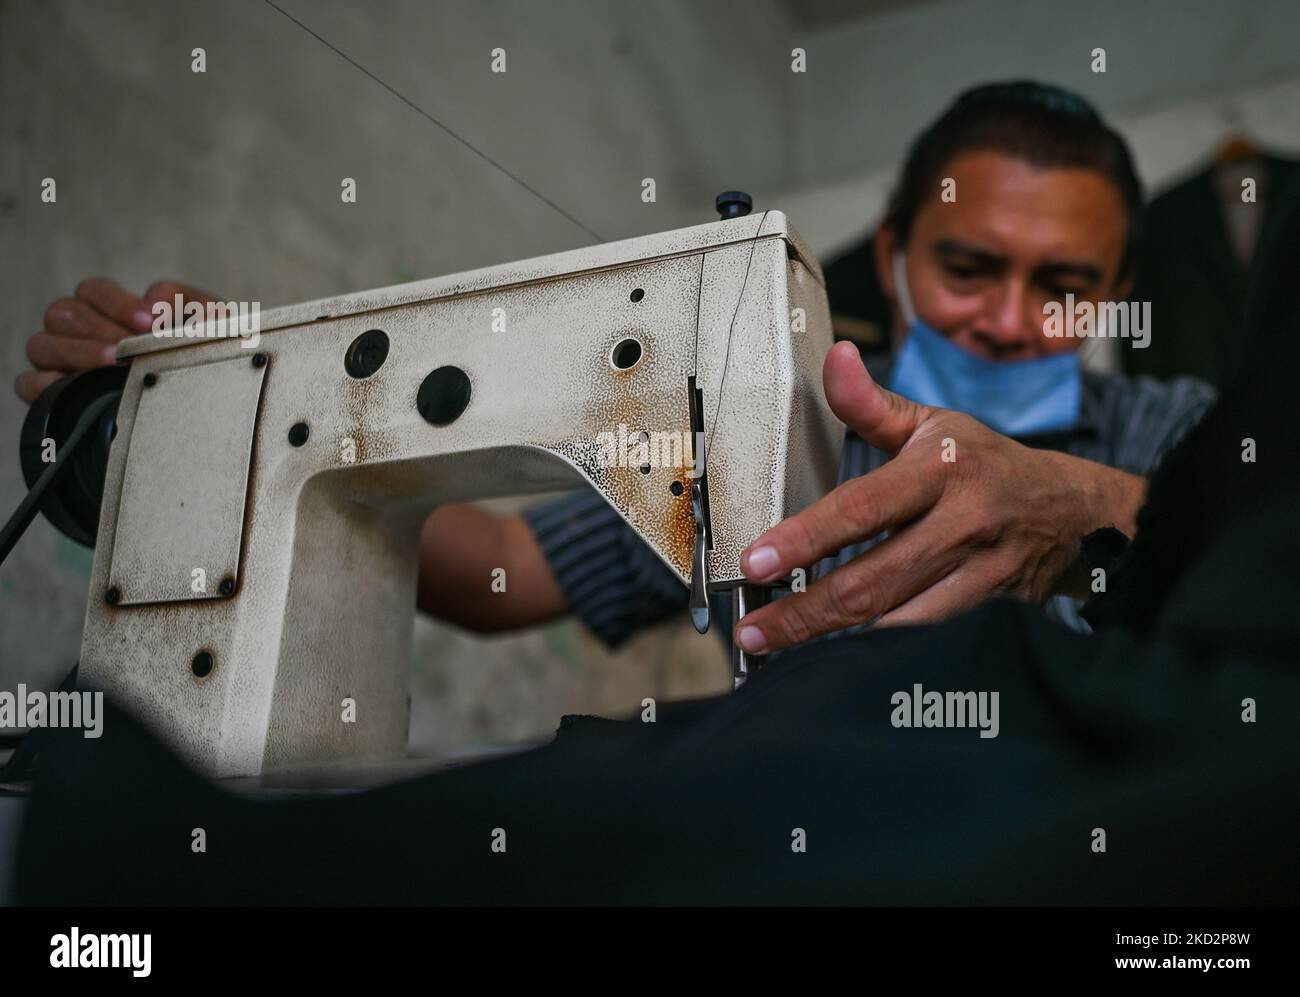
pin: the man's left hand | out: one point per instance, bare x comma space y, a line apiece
970, 514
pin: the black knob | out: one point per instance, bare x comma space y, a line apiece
734, 204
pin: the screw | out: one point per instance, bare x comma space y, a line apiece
201, 665
259, 359
112, 596
227, 586
150, 380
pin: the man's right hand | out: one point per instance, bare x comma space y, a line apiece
83, 331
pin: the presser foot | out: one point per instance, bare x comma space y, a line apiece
745, 599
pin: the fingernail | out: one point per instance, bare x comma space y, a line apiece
109, 354
143, 320
751, 639
763, 561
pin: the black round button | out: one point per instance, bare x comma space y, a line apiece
366, 354
733, 204
443, 396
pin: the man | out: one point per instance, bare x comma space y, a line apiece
1045, 206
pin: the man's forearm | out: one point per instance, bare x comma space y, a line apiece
461, 549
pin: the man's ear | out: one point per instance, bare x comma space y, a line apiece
883, 246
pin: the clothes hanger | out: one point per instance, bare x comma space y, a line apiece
1238, 146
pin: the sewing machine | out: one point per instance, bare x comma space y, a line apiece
256, 547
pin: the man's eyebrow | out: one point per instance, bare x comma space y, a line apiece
1089, 272
1051, 270
955, 247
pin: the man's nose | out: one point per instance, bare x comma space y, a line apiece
1006, 329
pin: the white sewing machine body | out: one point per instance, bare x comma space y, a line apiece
251, 577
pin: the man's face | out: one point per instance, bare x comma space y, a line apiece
980, 268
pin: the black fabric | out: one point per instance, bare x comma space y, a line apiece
1205, 485
1104, 548
860, 310
21, 767
701, 806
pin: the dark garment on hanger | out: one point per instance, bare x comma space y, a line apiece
1197, 287
860, 311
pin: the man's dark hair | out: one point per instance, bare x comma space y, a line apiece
1043, 125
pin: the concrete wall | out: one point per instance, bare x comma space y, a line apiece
1180, 76
871, 81
230, 180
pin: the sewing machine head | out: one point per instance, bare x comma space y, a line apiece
256, 549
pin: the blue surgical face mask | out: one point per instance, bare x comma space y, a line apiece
1014, 397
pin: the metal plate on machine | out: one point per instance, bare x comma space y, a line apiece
181, 516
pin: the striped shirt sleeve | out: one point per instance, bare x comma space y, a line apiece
1142, 419
611, 578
